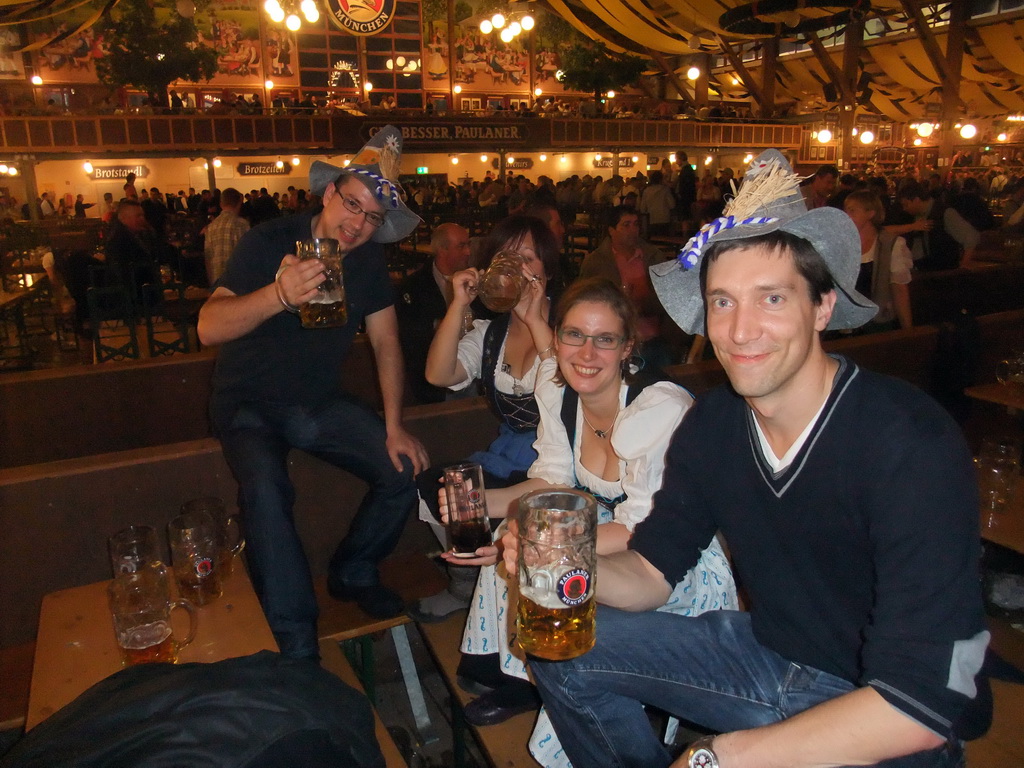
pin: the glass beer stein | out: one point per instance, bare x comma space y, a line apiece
196, 554
140, 605
468, 526
327, 309
557, 562
231, 544
502, 285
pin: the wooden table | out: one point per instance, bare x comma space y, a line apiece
76, 648
1009, 395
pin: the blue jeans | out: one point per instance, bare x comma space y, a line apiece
709, 670
256, 439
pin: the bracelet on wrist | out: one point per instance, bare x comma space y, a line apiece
280, 294
548, 348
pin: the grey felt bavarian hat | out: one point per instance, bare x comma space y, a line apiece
376, 165
769, 200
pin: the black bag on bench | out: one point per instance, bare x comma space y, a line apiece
259, 711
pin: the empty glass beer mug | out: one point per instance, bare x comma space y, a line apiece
502, 285
195, 554
557, 562
131, 548
468, 525
998, 465
327, 309
140, 605
229, 529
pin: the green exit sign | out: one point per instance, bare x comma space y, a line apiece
422, 169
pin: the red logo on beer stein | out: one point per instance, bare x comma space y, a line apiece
474, 497
204, 567
574, 586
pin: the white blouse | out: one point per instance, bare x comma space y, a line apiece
471, 355
640, 438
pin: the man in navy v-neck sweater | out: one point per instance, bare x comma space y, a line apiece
849, 504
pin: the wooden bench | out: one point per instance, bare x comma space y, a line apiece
1003, 745
15, 680
505, 744
333, 660
413, 577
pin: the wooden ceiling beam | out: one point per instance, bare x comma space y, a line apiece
841, 82
744, 75
670, 71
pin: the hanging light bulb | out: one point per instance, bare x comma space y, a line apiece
636, 158
345, 162
563, 159
672, 157
486, 27
270, 6
483, 158
400, 61
367, 86
277, 14
217, 163
296, 160
867, 137
597, 157
279, 164
917, 142
497, 21
747, 158
206, 166
455, 160
708, 160
968, 131
543, 157
527, 22
309, 10
37, 80
537, 91
610, 94
390, 64
12, 171
86, 165
1001, 137
457, 88
268, 84
853, 132
412, 66
692, 73
3, 168
824, 136
924, 130
510, 159
515, 28
506, 35
293, 22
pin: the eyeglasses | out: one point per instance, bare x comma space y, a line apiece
574, 338
373, 218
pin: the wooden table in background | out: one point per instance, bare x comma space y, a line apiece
1010, 395
75, 648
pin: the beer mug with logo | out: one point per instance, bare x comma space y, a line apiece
195, 554
327, 309
231, 542
140, 605
557, 562
468, 525
502, 285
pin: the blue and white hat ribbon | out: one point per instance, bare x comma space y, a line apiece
689, 256
381, 182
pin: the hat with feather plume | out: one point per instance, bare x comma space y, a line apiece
768, 200
376, 166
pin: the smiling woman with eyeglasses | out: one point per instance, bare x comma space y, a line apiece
604, 428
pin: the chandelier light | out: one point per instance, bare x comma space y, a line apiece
508, 22
867, 137
824, 136
968, 131
288, 11
924, 130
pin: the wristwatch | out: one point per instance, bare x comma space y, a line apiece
701, 754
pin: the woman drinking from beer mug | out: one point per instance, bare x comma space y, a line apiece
504, 354
604, 428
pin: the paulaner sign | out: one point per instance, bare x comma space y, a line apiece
506, 134
361, 17
112, 172
263, 169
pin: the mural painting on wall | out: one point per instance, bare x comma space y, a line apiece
230, 27
69, 59
11, 67
482, 62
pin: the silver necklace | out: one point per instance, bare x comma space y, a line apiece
601, 433
517, 384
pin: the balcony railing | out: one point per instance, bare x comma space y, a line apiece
198, 135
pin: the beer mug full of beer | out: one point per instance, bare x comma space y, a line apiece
502, 285
468, 526
557, 562
141, 606
327, 309
229, 529
196, 554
